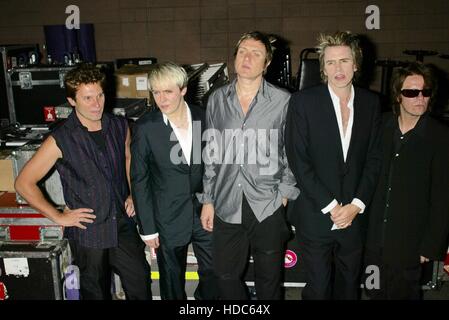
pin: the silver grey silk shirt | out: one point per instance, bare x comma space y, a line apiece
246, 154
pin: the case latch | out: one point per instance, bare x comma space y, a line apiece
61, 78
4, 233
50, 233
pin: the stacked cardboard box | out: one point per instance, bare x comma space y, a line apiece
132, 82
6, 171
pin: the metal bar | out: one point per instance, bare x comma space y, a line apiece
56, 273
10, 210
27, 222
38, 82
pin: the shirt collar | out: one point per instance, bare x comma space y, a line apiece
75, 123
419, 128
262, 93
189, 115
336, 99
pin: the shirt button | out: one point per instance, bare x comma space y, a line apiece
385, 220
397, 155
388, 205
241, 165
389, 189
402, 138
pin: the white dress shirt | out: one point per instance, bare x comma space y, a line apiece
184, 140
345, 141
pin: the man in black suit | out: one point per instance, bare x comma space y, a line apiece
409, 215
166, 171
332, 144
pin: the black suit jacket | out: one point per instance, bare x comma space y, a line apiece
417, 222
164, 192
315, 155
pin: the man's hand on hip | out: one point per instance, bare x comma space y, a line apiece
73, 218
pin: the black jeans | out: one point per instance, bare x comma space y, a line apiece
232, 244
127, 260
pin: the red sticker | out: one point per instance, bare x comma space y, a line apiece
3, 292
49, 114
290, 259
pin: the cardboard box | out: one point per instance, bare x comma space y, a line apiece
132, 82
6, 171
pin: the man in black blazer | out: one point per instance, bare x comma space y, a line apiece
409, 215
332, 144
166, 171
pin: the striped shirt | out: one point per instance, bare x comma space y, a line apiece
93, 177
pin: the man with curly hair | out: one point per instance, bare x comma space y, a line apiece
91, 151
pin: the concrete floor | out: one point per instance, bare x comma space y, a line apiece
441, 292
292, 291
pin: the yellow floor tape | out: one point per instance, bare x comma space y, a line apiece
190, 275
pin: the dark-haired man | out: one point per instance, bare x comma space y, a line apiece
247, 180
409, 216
91, 151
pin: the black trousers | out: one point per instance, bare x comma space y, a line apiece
127, 260
232, 244
333, 266
396, 282
172, 264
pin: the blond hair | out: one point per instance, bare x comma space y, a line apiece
339, 38
168, 71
